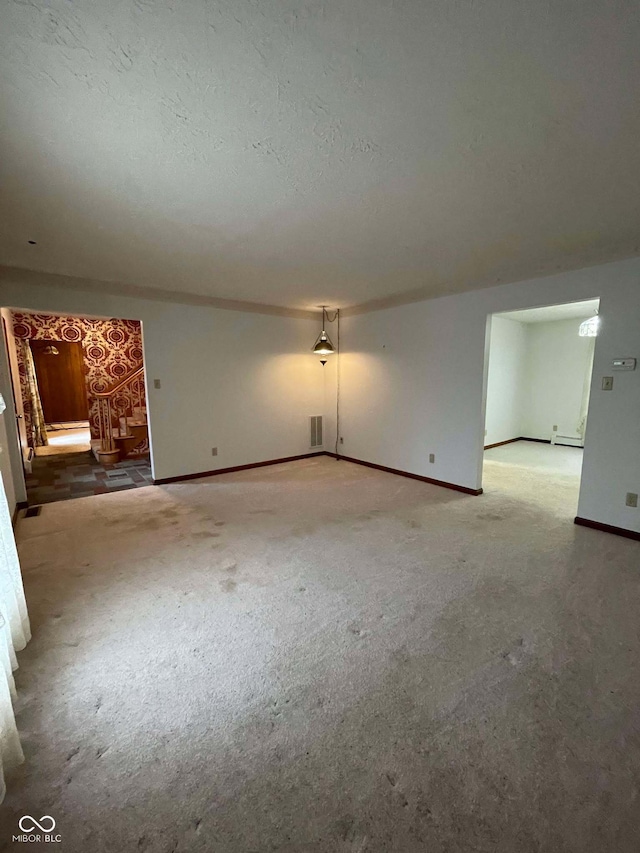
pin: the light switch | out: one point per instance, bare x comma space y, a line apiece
156, 383
607, 383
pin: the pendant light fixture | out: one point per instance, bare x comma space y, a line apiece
589, 328
323, 345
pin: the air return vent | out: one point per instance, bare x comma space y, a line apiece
316, 430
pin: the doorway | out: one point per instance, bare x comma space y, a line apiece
60, 373
59, 367
538, 387
79, 388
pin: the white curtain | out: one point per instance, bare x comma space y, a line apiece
14, 636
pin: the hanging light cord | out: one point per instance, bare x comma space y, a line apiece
338, 386
336, 317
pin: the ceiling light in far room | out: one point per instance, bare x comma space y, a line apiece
589, 328
323, 345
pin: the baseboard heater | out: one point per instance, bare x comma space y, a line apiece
567, 440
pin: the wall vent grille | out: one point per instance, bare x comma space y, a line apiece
316, 430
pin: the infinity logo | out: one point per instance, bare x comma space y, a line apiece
32, 823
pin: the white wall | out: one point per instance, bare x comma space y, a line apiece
506, 384
13, 436
612, 452
6, 469
413, 381
536, 379
7, 325
558, 361
242, 382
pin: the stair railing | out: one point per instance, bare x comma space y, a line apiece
117, 404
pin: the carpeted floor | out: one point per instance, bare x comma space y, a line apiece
65, 426
74, 439
537, 456
63, 476
319, 657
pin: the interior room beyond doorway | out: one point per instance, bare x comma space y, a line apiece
66, 437
79, 390
539, 380
60, 375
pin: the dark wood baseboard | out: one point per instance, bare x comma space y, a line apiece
500, 443
607, 528
548, 441
182, 477
525, 438
19, 505
465, 489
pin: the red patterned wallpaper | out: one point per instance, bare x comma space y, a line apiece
112, 349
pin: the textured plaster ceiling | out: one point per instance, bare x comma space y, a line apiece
295, 153
549, 313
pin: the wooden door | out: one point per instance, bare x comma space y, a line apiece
61, 380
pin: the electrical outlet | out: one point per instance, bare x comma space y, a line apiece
632, 499
555, 428
156, 383
432, 457
607, 383
341, 440
214, 451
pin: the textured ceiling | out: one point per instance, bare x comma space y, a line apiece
551, 313
295, 153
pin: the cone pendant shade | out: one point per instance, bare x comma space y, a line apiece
323, 345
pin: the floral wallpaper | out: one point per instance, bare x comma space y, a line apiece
112, 349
